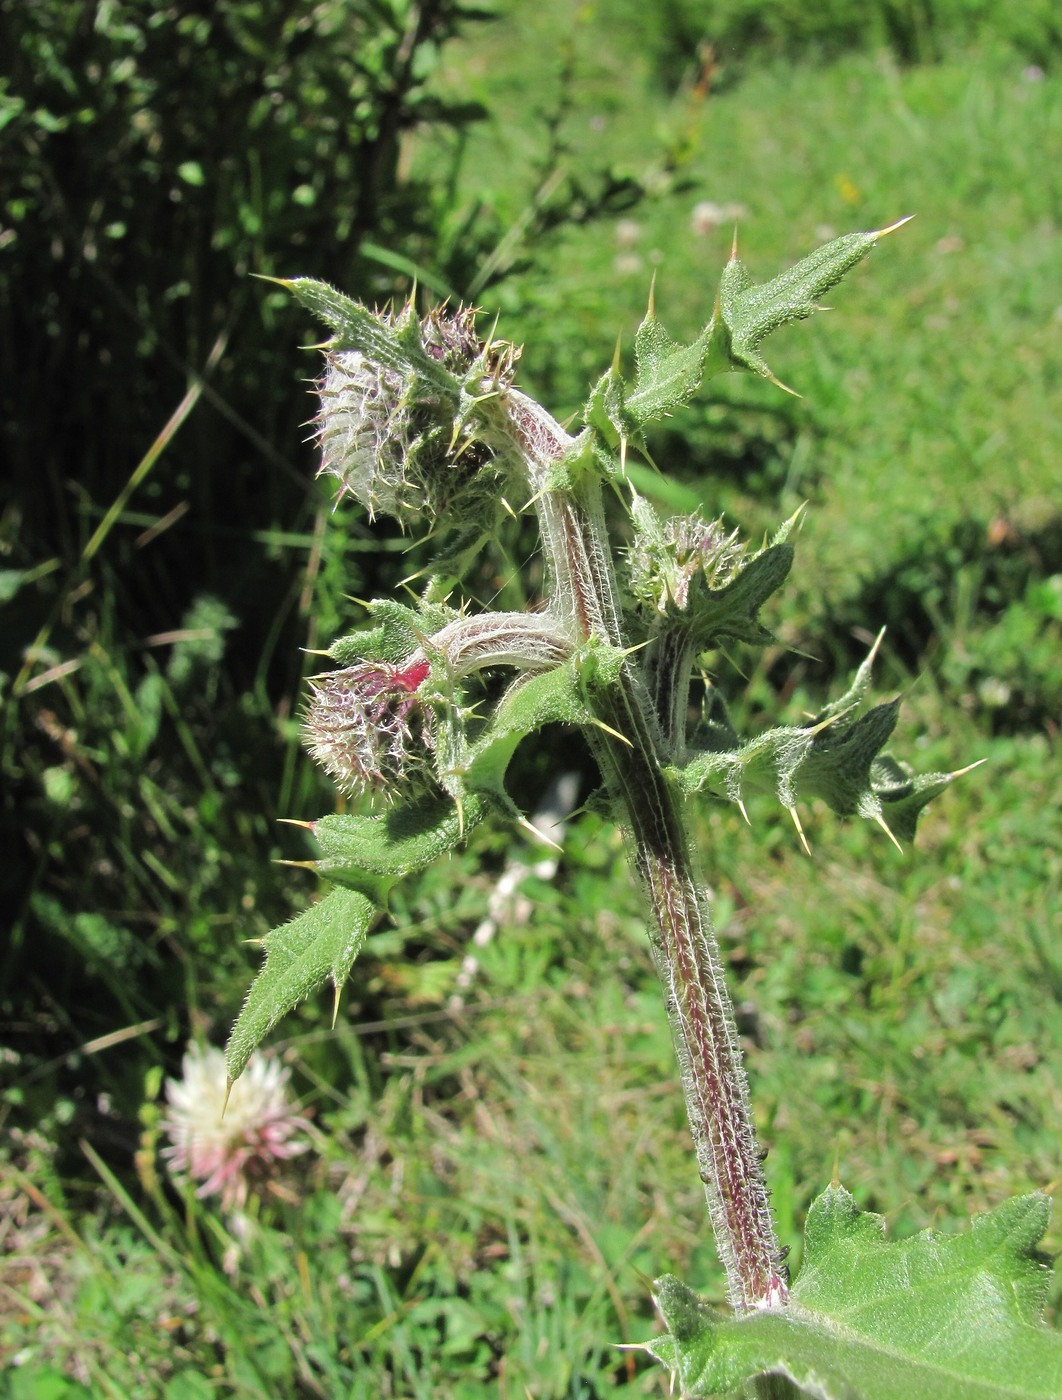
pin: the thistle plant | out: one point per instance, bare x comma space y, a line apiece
420, 418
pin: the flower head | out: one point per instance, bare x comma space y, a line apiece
358, 725
668, 556
230, 1148
397, 429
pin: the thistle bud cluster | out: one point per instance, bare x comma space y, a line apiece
400, 432
377, 725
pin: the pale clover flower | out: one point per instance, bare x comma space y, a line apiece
230, 1148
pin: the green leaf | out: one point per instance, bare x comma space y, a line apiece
27, 1383
836, 757
398, 633
748, 313
839, 763
667, 373
834, 763
902, 794
557, 696
396, 347
931, 1318
315, 947
731, 613
370, 853
191, 172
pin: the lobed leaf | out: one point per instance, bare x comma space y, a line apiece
395, 347
836, 757
369, 853
747, 312
557, 696
931, 1318
667, 373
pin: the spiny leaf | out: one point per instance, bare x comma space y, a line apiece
730, 613
837, 763
690, 578
930, 1318
667, 373
369, 853
558, 696
315, 947
748, 312
902, 794
398, 632
836, 757
396, 347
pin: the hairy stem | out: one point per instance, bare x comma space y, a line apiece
701, 1016
684, 945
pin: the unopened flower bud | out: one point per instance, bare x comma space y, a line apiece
402, 436
668, 555
359, 725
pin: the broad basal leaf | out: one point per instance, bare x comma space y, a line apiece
935, 1317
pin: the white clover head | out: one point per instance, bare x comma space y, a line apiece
230, 1149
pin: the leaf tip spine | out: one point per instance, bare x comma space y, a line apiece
888, 831
800, 830
881, 232
537, 833
961, 772
600, 724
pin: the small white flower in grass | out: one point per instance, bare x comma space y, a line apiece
706, 216
230, 1149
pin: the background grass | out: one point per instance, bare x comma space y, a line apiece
490, 1185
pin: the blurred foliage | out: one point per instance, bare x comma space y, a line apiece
154, 157
743, 33
158, 575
